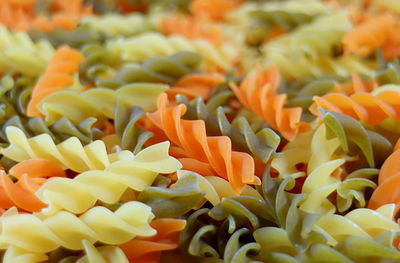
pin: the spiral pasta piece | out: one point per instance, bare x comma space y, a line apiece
196, 84
367, 37
217, 188
59, 131
215, 10
371, 108
114, 25
100, 102
97, 224
79, 194
355, 223
131, 137
259, 94
68, 154
236, 167
57, 75
148, 249
191, 28
104, 254
137, 49
30, 174
20, 54
262, 144
388, 182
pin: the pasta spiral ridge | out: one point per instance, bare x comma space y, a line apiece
263, 22
29, 174
370, 108
100, 102
13, 102
15, 91
135, 172
237, 167
132, 138
138, 49
323, 65
113, 25
103, 254
80, 36
69, 154
175, 200
275, 247
157, 69
353, 135
262, 144
97, 224
354, 188
335, 227
59, 131
259, 94
57, 75
389, 175
167, 238
20, 54
359, 40
313, 39
241, 217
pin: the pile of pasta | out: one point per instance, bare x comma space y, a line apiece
199, 131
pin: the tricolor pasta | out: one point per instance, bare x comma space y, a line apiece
199, 131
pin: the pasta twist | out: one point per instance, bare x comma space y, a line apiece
20, 54
196, 84
313, 39
158, 69
367, 37
263, 23
389, 75
113, 25
96, 63
104, 254
57, 75
191, 28
274, 246
320, 181
301, 95
356, 223
176, 200
90, 254
353, 135
82, 35
98, 224
241, 217
304, 67
61, 130
236, 167
353, 189
68, 154
30, 174
140, 48
371, 108
132, 138
148, 249
262, 144
388, 178
259, 94
308, 8
136, 172
14, 95
100, 102
215, 10
217, 188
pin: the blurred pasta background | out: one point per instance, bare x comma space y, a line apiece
199, 131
